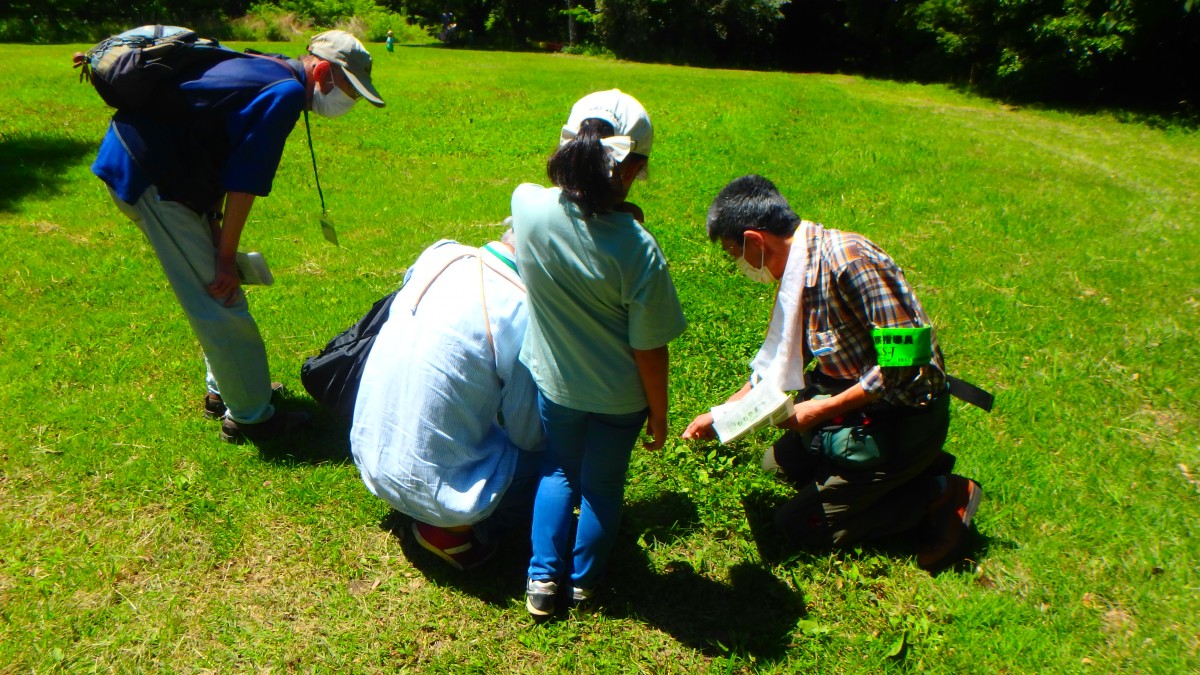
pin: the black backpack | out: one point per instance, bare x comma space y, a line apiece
127, 69
332, 376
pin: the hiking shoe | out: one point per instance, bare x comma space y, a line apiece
540, 597
214, 406
948, 522
460, 550
278, 425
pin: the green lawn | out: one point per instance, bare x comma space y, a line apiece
1057, 255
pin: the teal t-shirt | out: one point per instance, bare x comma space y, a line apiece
597, 289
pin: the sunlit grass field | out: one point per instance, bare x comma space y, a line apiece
1057, 255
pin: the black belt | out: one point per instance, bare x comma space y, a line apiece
965, 391
960, 389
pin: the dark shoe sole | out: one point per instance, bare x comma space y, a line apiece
538, 612
236, 438
291, 422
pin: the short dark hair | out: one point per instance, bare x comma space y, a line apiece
584, 169
750, 203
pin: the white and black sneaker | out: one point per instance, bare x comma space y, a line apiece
540, 597
581, 598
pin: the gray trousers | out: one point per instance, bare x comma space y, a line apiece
842, 505
234, 355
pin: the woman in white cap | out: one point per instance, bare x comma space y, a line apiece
602, 310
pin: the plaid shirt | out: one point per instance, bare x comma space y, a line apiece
850, 287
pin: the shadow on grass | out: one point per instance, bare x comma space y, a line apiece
502, 579
35, 165
774, 548
752, 614
498, 582
327, 442
975, 554
1163, 118
760, 507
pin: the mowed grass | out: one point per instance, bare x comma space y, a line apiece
1056, 254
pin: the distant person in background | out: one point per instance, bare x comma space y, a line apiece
189, 180
445, 426
602, 310
864, 448
449, 27
391, 43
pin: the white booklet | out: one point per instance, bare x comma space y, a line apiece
765, 404
252, 269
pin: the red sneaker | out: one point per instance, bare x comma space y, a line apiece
461, 550
948, 523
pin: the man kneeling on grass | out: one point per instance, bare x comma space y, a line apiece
446, 427
864, 447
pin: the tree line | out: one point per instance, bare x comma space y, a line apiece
1139, 53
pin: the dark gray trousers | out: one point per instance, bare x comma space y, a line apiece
842, 505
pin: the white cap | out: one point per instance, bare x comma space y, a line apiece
628, 117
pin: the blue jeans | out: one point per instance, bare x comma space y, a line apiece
584, 463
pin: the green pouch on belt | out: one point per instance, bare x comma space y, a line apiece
854, 447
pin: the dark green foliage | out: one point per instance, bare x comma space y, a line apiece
1132, 53
85, 21
1080, 50
731, 32
1127, 52
501, 23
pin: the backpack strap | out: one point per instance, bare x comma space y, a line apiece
496, 264
447, 262
487, 323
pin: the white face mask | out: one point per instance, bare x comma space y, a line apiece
760, 274
334, 104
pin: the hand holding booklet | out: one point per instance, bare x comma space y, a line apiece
765, 405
